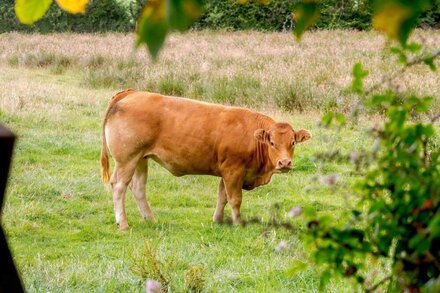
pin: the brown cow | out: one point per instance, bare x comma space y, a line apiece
242, 147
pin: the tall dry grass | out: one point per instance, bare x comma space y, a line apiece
245, 68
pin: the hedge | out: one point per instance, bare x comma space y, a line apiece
120, 16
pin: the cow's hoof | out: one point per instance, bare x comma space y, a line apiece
123, 226
217, 219
150, 218
238, 222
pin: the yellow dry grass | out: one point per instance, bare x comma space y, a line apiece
250, 68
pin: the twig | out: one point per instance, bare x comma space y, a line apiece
390, 78
372, 289
435, 117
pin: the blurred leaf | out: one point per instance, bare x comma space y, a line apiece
326, 220
382, 100
152, 26
360, 279
309, 212
430, 62
73, 6
419, 243
305, 15
182, 13
358, 77
340, 118
397, 18
158, 17
434, 226
297, 267
324, 279
391, 17
401, 54
29, 11
413, 47
327, 119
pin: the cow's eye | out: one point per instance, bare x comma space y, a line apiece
293, 143
271, 143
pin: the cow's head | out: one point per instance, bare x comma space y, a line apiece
281, 140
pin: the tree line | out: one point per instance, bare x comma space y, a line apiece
274, 15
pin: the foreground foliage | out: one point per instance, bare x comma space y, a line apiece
396, 218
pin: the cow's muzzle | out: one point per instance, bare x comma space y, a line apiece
284, 165
284, 169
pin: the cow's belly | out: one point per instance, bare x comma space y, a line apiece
252, 181
181, 164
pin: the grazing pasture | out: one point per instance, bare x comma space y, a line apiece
58, 215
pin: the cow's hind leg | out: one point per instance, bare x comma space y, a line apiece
139, 189
121, 178
221, 202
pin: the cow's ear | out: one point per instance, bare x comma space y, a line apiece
261, 135
302, 135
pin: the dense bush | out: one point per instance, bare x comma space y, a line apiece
120, 16
274, 16
100, 16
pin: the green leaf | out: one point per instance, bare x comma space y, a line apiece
358, 76
360, 279
430, 62
396, 18
413, 47
401, 54
158, 17
305, 14
423, 246
340, 118
434, 226
29, 11
309, 212
153, 26
327, 119
297, 267
419, 243
324, 279
182, 13
383, 100
326, 220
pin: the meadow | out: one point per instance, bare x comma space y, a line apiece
58, 216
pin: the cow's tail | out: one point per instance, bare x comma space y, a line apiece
105, 164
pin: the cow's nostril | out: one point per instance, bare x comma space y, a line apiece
284, 163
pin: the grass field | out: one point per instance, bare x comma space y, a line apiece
58, 215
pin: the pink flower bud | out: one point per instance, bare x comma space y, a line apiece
329, 180
153, 286
281, 246
294, 212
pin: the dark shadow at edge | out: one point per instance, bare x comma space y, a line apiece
9, 278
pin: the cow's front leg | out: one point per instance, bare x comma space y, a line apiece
221, 202
233, 185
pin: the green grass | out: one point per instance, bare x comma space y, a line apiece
59, 217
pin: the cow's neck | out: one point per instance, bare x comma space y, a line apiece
264, 165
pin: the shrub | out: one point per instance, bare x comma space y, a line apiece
121, 16
100, 16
